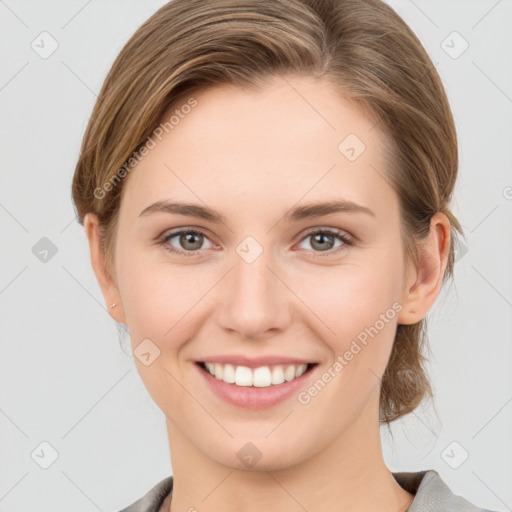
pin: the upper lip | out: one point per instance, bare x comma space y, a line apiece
255, 362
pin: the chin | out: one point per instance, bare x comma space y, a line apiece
255, 456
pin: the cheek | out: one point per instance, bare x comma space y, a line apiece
163, 301
355, 308
349, 299
361, 315
162, 304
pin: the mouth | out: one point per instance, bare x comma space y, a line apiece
260, 377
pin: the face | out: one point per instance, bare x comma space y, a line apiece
277, 282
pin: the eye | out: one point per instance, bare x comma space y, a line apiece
323, 240
190, 240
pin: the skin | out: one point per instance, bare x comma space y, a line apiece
252, 156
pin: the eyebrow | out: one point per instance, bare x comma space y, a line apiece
298, 213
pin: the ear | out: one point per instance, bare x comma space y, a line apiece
424, 281
105, 280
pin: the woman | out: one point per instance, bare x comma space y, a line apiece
265, 188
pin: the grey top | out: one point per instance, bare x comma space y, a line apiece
431, 494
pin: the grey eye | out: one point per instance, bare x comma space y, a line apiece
325, 240
188, 241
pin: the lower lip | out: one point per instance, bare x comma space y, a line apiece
250, 397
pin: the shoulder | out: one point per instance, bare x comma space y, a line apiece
432, 493
152, 500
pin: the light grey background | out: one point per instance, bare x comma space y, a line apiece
64, 378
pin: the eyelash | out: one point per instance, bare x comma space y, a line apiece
347, 241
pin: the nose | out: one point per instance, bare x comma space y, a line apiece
254, 301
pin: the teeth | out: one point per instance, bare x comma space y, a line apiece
243, 376
219, 371
300, 370
260, 377
277, 375
229, 374
289, 373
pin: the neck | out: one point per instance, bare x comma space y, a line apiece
346, 474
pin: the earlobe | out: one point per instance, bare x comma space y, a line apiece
425, 282
98, 261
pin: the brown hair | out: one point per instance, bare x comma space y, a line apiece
361, 46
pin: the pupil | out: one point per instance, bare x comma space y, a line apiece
189, 238
322, 243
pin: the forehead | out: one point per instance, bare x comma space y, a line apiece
296, 137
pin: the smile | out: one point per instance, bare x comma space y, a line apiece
255, 382
260, 377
